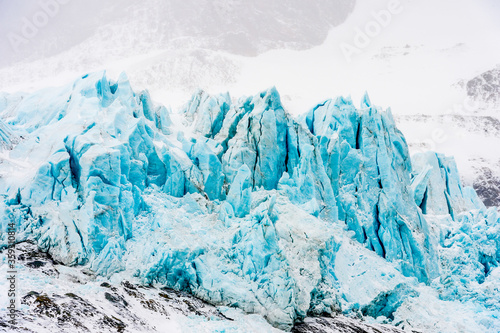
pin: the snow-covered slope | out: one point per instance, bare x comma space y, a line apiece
242, 205
104, 28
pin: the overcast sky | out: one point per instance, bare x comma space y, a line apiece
32, 29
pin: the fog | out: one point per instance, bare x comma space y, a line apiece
35, 29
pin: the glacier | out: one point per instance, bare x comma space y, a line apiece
242, 205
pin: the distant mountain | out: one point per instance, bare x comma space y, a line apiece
240, 27
486, 88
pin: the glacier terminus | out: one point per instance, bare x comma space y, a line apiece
239, 204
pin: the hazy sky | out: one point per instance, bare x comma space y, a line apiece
32, 29
60, 26
181, 45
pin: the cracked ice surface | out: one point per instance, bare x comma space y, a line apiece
242, 205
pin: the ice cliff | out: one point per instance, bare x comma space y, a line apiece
242, 205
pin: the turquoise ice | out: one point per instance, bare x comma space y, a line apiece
241, 204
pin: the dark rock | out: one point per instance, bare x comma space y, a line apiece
35, 264
485, 87
487, 186
114, 322
115, 298
341, 324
